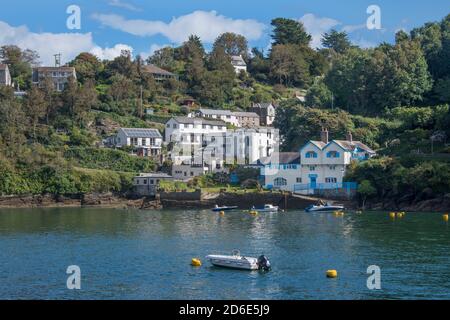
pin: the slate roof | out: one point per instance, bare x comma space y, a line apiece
246, 114
187, 120
215, 112
282, 158
151, 68
141, 133
352, 145
238, 61
156, 175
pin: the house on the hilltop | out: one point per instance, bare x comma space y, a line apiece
5, 76
58, 75
239, 64
158, 74
265, 111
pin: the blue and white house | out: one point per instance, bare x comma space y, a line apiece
322, 166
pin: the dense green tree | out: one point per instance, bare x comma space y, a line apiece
20, 63
288, 31
233, 44
36, 107
87, 66
338, 41
288, 65
319, 96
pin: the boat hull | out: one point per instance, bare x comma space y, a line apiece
231, 262
224, 209
325, 209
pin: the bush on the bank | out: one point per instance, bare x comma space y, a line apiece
117, 160
392, 179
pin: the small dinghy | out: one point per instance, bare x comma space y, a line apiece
266, 208
324, 208
236, 261
224, 208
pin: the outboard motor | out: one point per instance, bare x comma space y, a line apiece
264, 263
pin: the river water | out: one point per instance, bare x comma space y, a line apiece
126, 254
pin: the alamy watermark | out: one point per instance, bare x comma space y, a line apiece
374, 20
374, 280
74, 279
74, 20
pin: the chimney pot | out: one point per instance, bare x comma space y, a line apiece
324, 135
349, 137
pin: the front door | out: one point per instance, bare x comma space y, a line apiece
313, 182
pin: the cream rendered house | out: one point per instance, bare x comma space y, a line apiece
322, 166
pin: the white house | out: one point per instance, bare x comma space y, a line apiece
216, 114
146, 184
323, 164
238, 64
281, 170
148, 141
248, 145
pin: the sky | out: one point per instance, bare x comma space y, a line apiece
142, 26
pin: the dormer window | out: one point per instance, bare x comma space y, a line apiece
333, 154
311, 154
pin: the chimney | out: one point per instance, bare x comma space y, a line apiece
349, 137
324, 135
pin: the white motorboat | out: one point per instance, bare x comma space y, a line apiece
236, 261
266, 208
324, 208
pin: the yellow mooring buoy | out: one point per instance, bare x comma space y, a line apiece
196, 262
445, 217
222, 213
254, 213
392, 215
332, 274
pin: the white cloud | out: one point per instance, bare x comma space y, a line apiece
110, 53
206, 25
48, 44
124, 5
353, 28
317, 26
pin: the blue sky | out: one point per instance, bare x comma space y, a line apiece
108, 26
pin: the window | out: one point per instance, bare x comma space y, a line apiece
134, 141
299, 180
137, 181
174, 126
145, 181
311, 154
280, 182
168, 125
332, 167
333, 154
152, 181
330, 180
144, 142
312, 168
192, 173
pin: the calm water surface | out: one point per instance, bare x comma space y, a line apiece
146, 254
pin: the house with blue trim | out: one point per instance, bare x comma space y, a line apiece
322, 165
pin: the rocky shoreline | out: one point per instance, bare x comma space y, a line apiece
204, 201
